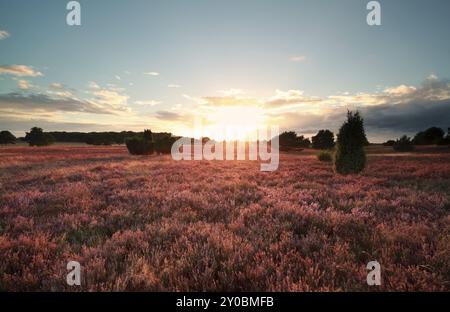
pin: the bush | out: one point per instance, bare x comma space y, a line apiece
140, 144
37, 137
324, 139
389, 143
163, 145
7, 137
325, 156
350, 155
404, 144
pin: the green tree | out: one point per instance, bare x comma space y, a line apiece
430, 136
164, 142
141, 144
37, 137
324, 139
350, 155
7, 137
290, 139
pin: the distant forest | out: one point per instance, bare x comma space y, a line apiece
98, 138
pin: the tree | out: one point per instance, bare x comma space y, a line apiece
164, 142
350, 155
37, 137
324, 139
7, 137
430, 136
141, 144
290, 139
404, 144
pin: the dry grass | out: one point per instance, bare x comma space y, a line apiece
150, 223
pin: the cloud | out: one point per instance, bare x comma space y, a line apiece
23, 84
297, 58
197, 100
47, 103
93, 85
59, 90
4, 34
56, 86
289, 97
58, 98
151, 73
117, 77
19, 70
167, 115
394, 111
229, 101
173, 86
232, 92
110, 97
148, 102
400, 90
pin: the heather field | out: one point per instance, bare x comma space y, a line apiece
150, 223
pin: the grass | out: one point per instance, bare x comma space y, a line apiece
150, 223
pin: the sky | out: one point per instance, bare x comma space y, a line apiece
163, 65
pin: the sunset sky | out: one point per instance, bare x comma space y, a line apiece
159, 64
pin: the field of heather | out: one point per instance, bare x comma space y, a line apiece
150, 223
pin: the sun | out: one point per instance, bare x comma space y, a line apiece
234, 122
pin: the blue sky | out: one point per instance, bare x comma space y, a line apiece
160, 63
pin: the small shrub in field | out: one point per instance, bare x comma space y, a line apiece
350, 155
325, 156
140, 145
404, 144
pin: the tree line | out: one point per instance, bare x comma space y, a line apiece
37, 137
348, 156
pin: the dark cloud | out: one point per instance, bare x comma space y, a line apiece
46, 103
165, 115
408, 117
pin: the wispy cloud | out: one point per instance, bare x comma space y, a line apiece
229, 101
151, 73
148, 102
231, 92
56, 85
297, 58
289, 97
4, 34
173, 86
110, 97
19, 70
166, 115
93, 85
23, 84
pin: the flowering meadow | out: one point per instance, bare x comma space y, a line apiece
148, 223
